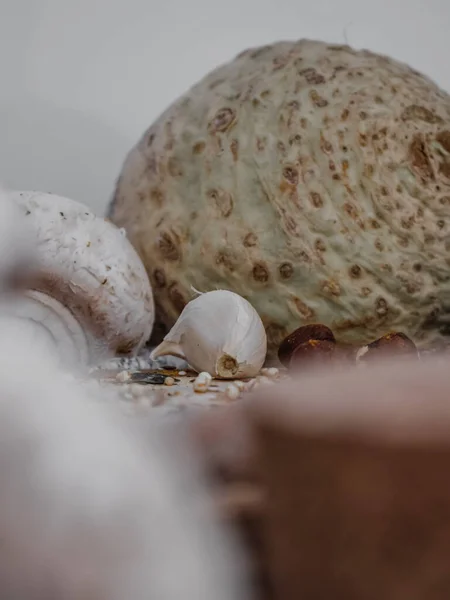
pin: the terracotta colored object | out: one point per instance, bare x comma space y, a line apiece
355, 467
312, 179
225, 440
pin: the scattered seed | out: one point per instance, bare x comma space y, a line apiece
232, 392
303, 335
361, 352
202, 382
182, 373
271, 372
394, 344
169, 381
313, 352
123, 376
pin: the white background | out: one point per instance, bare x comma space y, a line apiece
82, 79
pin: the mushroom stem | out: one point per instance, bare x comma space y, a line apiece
51, 323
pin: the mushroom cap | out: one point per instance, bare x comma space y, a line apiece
311, 179
88, 265
17, 261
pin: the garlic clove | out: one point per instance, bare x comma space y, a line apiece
219, 332
167, 347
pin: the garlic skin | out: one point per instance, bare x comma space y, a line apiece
219, 332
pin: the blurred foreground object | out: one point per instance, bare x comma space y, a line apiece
339, 481
354, 466
94, 505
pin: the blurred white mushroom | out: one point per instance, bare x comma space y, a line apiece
92, 508
91, 297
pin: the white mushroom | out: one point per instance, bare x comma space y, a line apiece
91, 296
17, 261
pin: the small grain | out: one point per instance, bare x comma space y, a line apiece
123, 376
202, 382
232, 392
